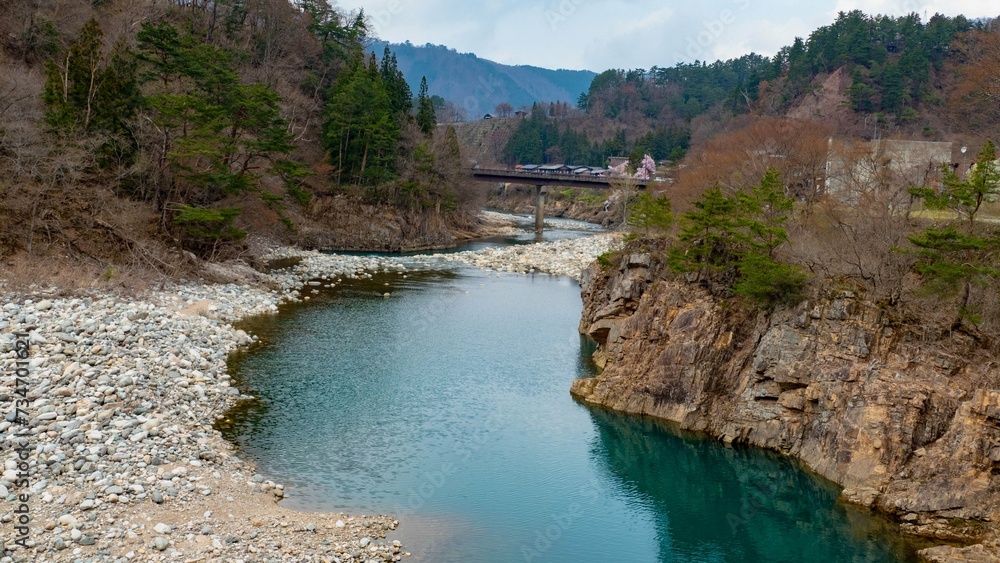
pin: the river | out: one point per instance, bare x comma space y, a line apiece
448, 406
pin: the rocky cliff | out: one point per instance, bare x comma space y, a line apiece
906, 420
344, 224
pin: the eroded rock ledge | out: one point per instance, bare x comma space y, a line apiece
906, 422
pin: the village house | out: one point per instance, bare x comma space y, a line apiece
616, 161
853, 168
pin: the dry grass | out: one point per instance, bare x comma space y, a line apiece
64, 276
987, 216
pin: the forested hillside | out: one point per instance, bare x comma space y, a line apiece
478, 85
770, 200
132, 129
863, 76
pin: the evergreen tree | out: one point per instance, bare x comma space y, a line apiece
160, 49
395, 83
763, 211
708, 235
222, 135
426, 119
651, 215
89, 91
892, 90
731, 241
119, 96
525, 145
362, 127
860, 93
337, 36
953, 260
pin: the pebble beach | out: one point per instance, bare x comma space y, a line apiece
113, 454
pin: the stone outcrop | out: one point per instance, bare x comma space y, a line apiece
342, 224
907, 421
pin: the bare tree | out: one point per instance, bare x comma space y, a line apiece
857, 231
504, 109
733, 161
625, 190
452, 113
975, 100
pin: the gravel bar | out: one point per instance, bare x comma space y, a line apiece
115, 434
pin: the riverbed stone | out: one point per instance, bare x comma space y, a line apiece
125, 389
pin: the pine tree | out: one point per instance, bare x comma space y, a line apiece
651, 214
160, 49
731, 241
763, 212
361, 128
952, 261
222, 135
88, 91
119, 96
709, 232
426, 119
395, 83
892, 90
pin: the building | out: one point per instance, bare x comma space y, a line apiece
854, 168
617, 161
555, 169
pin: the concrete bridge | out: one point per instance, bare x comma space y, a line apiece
541, 179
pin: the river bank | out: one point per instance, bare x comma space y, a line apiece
904, 420
121, 395
122, 460
560, 258
593, 206
447, 406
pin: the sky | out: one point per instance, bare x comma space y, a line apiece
601, 34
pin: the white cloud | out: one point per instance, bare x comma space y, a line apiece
926, 8
602, 34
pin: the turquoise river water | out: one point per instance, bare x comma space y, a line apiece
448, 406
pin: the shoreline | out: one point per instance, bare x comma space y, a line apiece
770, 387
124, 461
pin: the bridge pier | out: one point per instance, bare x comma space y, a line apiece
539, 209
540, 179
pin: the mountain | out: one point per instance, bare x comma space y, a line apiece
479, 85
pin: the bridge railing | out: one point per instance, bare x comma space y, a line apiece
504, 173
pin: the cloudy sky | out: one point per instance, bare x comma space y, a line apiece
602, 34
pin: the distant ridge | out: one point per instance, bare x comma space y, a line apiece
479, 85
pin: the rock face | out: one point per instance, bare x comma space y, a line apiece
906, 422
343, 226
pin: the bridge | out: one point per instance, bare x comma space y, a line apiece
540, 179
